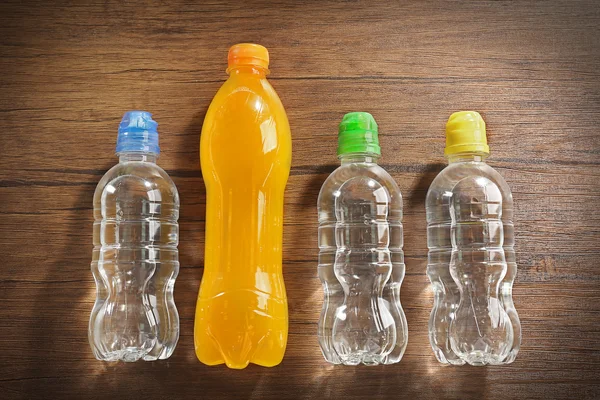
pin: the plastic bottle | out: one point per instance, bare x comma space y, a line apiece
361, 262
135, 258
245, 152
472, 263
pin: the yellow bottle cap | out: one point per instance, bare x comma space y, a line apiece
465, 133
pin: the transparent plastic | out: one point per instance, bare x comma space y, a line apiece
472, 264
135, 262
361, 265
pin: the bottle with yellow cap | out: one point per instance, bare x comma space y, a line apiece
361, 262
245, 154
472, 264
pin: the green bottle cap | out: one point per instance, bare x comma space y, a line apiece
358, 134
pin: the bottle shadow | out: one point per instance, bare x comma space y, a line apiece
443, 381
64, 299
304, 290
416, 285
326, 380
302, 348
303, 198
192, 196
181, 160
419, 190
418, 374
411, 378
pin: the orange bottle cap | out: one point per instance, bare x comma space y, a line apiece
248, 54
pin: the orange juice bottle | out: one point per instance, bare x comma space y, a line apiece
245, 152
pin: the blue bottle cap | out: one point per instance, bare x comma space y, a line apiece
138, 132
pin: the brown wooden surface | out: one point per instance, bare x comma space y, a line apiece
69, 71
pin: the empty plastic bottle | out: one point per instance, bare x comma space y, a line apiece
361, 262
135, 259
472, 263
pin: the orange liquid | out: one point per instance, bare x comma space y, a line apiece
245, 152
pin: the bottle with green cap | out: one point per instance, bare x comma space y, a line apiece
472, 264
361, 262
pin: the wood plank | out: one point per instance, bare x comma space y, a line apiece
70, 70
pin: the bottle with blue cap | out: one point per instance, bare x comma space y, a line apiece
472, 263
361, 261
135, 260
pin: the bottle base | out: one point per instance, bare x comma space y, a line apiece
126, 355
363, 358
445, 360
479, 358
231, 365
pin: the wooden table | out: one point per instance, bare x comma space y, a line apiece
69, 71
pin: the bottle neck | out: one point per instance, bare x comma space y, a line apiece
368, 158
248, 70
467, 157
138, 156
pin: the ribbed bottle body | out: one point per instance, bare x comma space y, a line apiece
361, 266
135, 264
472, 266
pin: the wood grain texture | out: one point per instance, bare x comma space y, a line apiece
68, 71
